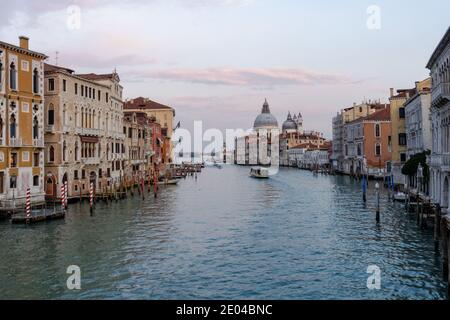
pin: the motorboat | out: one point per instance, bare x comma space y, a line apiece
259, 172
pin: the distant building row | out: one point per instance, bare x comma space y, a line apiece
378, 140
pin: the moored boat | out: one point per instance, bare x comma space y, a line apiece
400, 196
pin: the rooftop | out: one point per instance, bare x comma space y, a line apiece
144, 104
439, 49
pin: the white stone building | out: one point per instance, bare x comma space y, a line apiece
84, 139
417, 119
439, 160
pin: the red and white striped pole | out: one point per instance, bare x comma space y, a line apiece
66, 195
63, 196
91, 197
28, 203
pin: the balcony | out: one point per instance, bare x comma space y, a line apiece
38, 143
15, 142
50, 128
435, 160
88, 132
91, 161
2, 141
440, 94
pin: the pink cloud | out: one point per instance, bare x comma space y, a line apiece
258, 77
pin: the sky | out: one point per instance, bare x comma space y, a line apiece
217, 60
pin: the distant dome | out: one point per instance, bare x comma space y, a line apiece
265, 120
289, 124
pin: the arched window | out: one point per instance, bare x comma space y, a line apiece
12, 126
377, 130
35, 128
12, 76
51, 154
64, 151
35, 81
64, 115
1, 128
76, 151
51, 115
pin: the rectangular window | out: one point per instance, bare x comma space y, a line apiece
401, 113
36, 181
13, 182
2, 182
14, 160
25, 156
83, 175
403, 157
99, 95
51, 84
36, 159
64, 85
25, 107
107, 97
82, 90
402, 139
76, 88
25, 66
75, 174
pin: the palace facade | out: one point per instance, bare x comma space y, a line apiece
84, 142
439, 65
21, 123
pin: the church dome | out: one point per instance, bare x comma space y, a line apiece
265, 120
289, 124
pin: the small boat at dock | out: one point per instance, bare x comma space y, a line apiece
38, 215
259, 173
400, 197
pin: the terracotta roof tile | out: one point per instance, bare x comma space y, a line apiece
144, 104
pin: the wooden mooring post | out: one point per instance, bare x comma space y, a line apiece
444, 245
437, 229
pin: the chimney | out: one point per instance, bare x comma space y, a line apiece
392, 92
24, 42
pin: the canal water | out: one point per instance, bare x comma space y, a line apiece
227, 236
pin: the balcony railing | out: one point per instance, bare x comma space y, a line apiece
2, 141
15, 142
440, 93
91, 161
446, 159
88, 131
38, 143
435, 160
49, 128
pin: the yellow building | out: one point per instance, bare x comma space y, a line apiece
21, 123
398, 131
164, 115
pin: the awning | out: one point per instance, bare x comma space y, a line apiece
89, 139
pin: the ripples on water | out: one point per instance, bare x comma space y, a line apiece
227, 236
